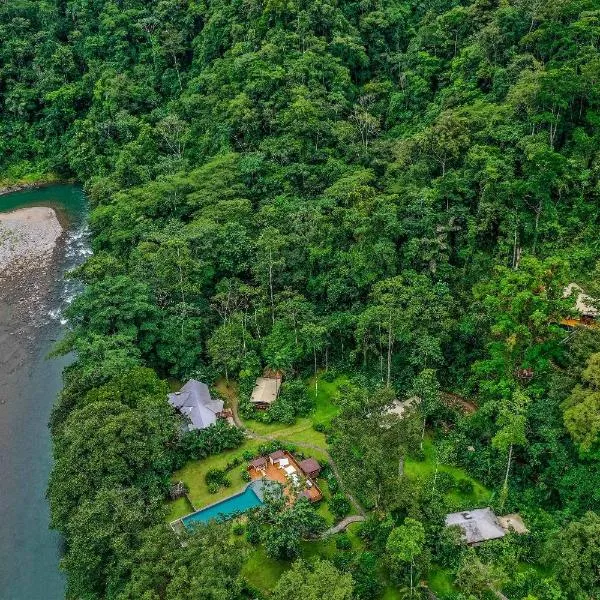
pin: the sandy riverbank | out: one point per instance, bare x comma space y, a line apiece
27, 236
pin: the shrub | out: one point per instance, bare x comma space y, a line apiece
245, 475
342, 542
226, 482
329, 376
334, 486
214, 476
339, 505
253, 532
465, 486
238, 528
213, 488
248, 455
444, 482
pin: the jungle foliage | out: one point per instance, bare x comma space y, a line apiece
401, 189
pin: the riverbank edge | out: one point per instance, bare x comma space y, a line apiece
10, 186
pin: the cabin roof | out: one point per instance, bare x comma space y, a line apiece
309, 465
266, 390
194, 402
477, 525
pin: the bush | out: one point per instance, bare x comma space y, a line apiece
282, 412
238, 528
245, 475
342, 542
334, 486
253, 532
465, 486
213, 488
226, 482
329, 376
234, 462
445, 482
339, 505
248, 455
214, 476
320, 427
199, 444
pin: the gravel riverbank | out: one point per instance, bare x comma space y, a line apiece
27, 236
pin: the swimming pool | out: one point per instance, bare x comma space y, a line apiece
250, 498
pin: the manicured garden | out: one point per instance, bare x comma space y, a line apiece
194, 477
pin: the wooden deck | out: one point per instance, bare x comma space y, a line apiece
274, 473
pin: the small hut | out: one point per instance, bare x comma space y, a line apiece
277, 456
310, 467
259, 463
266, 390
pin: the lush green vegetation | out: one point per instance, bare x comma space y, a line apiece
391, 193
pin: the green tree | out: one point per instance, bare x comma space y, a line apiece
582, 407
405, 544
319, 580
573, 552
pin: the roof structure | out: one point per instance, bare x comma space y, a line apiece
309, 466
265, 390
259, 463
479, 525
399, 407
584, 304
277, 455
194, 402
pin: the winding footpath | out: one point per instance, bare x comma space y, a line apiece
270, 438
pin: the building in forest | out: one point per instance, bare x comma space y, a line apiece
195, 404
266, 390
481, 525
585, 306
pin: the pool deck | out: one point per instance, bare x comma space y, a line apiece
274, 473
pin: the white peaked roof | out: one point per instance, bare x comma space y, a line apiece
584, 304
195, 403
266, 390
478, 525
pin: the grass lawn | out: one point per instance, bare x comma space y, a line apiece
441, 581
194, 472
178, 508
325, 407
302, 431
424, 468
261, 571
323, 508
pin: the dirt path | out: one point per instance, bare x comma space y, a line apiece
233, 405
463, 404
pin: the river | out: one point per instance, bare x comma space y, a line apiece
31, 306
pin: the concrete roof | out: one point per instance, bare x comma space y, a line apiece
478, 525
265, 390
194, 402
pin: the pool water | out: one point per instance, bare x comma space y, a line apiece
225, 509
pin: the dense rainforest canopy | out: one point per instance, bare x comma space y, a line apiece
396, 189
